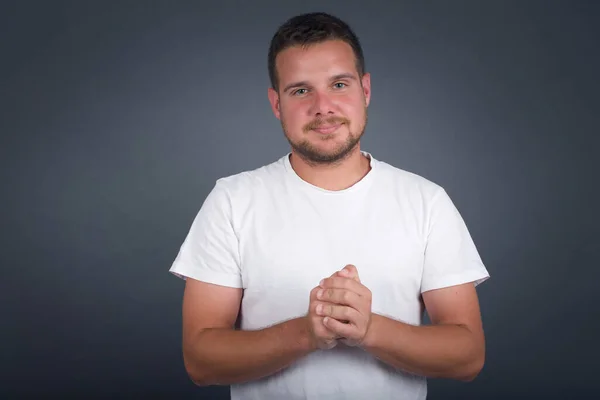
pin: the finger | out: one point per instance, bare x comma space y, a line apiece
324, 332
350, 271
344, 274
328, 344
314, 291
340, 296
341, 313
345, 283
340, 328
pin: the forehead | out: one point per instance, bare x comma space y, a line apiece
321, 59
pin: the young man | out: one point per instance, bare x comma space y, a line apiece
328, 257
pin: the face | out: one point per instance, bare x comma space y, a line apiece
322, 101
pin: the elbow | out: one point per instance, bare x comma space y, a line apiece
196, 375
470, 377
472, 370
474, 363
205, 378
199, 376
198, 379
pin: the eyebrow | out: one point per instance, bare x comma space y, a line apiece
333, 78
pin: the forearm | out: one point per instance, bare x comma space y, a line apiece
435, 351
227, 356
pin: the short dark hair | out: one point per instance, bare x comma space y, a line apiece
312, 28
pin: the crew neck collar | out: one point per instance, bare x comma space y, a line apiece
364, 182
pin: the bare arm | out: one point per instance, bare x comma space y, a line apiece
452, 347
216, 354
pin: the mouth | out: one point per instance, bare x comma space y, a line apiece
327, 129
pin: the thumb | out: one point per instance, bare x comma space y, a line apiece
349, 271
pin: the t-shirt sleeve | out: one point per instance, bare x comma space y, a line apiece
451, 257
209, 252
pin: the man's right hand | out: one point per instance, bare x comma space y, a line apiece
320, 336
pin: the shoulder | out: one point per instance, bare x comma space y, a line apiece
244, 185
426, 201
408, 184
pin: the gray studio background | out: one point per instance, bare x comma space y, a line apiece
118, 117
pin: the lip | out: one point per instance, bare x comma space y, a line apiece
327, 129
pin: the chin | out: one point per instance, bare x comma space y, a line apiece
322, 153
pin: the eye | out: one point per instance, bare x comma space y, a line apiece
299, 92
339, 85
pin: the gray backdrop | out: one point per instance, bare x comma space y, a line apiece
118, 117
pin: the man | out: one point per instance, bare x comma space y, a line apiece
328, 257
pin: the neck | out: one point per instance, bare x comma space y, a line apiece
335, 176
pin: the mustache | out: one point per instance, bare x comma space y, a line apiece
325, 121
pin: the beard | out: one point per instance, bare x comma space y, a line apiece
314, 154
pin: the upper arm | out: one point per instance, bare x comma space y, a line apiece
450, 255
206, 305
457, 305
209, 260
452, 269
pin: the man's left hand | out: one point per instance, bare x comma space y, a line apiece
346, 299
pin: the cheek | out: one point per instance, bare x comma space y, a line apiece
294, 115
356, 109
351, 105
296, 107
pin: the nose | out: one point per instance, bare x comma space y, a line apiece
322, 104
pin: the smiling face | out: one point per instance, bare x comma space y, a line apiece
321, 100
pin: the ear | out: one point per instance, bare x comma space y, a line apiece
366, 85
274, 100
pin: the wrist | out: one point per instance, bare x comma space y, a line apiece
370, 338
305, 338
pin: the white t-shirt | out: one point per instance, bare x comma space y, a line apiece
276, 236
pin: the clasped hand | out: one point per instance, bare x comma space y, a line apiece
341, 305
